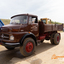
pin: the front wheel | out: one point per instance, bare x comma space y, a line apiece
28, 47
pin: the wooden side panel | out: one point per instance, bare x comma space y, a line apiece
60, 27
53, 27
49, 27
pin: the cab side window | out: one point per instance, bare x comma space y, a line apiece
32, 20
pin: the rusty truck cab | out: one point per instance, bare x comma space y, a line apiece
20, 27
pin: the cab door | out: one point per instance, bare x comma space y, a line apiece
33, 23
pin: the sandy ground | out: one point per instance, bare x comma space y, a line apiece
42, 55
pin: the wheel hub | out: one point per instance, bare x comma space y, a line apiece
29, 47
58, 38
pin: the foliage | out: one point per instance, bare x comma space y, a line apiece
55, 22
6, 21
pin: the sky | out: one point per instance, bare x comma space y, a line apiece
53, 9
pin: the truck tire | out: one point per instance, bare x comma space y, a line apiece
56, 39
28, 47
9, 48
51, 39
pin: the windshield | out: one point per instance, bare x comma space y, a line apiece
19, 20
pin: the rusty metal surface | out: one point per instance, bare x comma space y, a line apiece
53, 27
24, 14
49, 27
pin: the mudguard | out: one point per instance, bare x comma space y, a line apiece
27, 35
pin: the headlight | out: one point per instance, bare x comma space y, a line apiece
11, 37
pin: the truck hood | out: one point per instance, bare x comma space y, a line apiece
11, 28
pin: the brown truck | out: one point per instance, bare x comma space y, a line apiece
26, 32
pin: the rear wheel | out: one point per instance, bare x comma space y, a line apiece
9, 48
28, 47
55, 38
51, 39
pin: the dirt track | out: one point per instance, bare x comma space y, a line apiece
42, 55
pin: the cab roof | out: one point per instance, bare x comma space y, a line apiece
24, 14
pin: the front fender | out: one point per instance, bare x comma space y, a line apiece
26, 36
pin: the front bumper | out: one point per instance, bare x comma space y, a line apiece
9, 44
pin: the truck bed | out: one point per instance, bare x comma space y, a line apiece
53, 27
49, 27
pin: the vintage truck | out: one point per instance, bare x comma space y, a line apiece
26, 32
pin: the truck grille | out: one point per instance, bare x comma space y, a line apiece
4, 36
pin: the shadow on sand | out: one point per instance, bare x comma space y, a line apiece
6, 56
